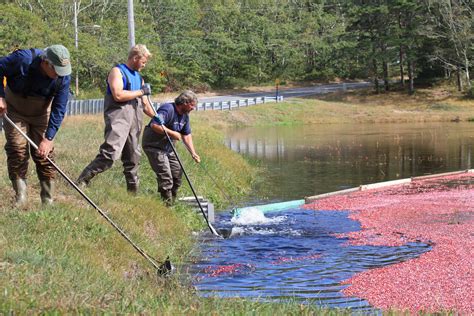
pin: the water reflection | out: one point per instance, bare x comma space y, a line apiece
308, 160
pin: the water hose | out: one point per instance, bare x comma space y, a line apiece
161, 269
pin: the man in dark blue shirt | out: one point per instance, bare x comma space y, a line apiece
174, 119
35, 98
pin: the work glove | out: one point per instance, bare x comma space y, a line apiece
146, 88
158, 120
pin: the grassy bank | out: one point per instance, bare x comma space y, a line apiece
427, 105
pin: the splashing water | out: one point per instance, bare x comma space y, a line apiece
254, 216
252, 221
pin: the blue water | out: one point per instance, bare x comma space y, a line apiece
292, 255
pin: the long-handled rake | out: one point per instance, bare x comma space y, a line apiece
161, 269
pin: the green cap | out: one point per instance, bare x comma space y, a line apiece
59, 56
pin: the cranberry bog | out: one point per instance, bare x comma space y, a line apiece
403, 245
437, 210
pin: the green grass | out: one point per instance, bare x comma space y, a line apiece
442, 107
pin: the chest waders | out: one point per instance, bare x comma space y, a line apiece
123, 124
31, 114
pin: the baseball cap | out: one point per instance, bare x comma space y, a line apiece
59, 57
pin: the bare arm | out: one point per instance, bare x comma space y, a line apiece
147, 106
116, 87
188, 141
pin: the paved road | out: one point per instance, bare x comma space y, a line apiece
291, 93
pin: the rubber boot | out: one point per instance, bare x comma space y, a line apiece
167, 197
174, 195
21, 197
132, 188
84, 178
46, 192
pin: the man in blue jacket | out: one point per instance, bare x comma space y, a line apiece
35, 98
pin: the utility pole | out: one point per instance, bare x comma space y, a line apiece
77, 10
131, 24
277, 83
76, 45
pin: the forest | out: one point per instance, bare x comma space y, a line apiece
216, 44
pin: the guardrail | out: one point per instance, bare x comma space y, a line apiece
94, 106
235, 104
79, 107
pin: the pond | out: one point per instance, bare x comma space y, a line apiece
295, 254
309, 160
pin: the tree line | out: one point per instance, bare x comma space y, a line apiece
232, 43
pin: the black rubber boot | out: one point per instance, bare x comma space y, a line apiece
46, 193
174, 195
167, 197
132, 188
21, 196
84, 178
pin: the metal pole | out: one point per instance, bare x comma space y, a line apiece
76, 45
131, 24
277, 83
